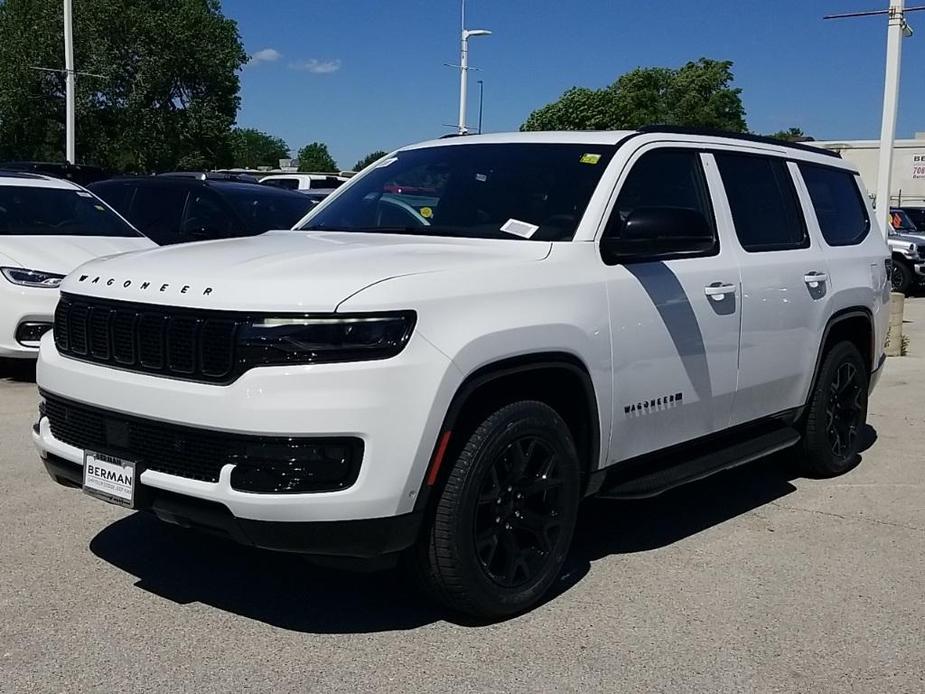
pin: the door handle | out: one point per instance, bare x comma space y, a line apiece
718, 291
814, 279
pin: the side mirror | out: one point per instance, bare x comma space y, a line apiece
651, 233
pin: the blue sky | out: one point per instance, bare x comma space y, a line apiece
362, 75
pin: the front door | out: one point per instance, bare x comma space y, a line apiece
674, 321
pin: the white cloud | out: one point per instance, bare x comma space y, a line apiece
317, 67
267, 55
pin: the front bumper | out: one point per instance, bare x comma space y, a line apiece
362, 539
395, 406
23, 305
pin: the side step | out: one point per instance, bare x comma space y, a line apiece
654, 476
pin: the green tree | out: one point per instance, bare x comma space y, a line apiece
315, 157
790, 135
369, 159
165, 98
699, 93
251, 148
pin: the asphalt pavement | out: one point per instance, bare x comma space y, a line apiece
756, 580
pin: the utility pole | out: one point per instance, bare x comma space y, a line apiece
897, 29
465, 35
70, 77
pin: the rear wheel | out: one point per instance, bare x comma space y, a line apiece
504, 520
837, 413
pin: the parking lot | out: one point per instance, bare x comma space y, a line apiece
754, 580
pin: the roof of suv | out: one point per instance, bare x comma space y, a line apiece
34, 180
615, 137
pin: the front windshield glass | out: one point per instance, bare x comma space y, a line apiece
41, 211
266, 208
527, 191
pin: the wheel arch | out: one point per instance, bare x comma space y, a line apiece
492, 384
854, 324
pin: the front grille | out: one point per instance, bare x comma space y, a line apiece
200, 454
921, 250
192, 344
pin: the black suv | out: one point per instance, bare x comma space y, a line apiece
176, 209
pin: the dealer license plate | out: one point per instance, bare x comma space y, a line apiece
109, 478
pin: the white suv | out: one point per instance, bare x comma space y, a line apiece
48, 226
549, 316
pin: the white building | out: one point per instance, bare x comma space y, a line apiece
908, 179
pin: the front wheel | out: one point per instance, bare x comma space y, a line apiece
902, 277
837, 413
504, 520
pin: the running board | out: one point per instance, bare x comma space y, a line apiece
656, 476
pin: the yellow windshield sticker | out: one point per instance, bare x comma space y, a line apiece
427, 213
590, 158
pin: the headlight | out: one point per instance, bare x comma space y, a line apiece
31, 278
324, 339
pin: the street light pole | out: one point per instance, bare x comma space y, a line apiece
465, 35
70, 78
894, 46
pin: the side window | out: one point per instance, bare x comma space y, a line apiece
285, 183
157, 211
662, 178
838, 204
764, 203
206, 216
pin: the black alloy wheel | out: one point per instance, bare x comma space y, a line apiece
836, 413
503, 521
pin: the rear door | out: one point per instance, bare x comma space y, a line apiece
785, 283
674, 320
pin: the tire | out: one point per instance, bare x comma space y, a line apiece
836, 414
503, 523
903, 277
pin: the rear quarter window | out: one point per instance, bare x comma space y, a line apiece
837, 201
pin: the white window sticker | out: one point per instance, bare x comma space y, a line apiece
84, 194
517, 228
386, 162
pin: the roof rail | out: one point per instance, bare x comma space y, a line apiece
748, 137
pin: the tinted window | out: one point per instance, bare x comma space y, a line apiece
472, 190
285, 183
662, 178
264, 208
917, 215
837, 201
763, 201
39, 211
157, 211
206, 217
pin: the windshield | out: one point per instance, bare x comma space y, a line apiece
265, 208
40, 211
528, 191
900, 221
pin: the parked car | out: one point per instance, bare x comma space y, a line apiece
583, 313
916, 215
81, 174
305, 181
177, 209
48, 227
908, 255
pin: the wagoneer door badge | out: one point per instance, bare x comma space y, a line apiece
664, 402
163, 287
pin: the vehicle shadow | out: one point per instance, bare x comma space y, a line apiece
295, 593
17, 370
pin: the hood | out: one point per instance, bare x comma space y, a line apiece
286, 271
61, 254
